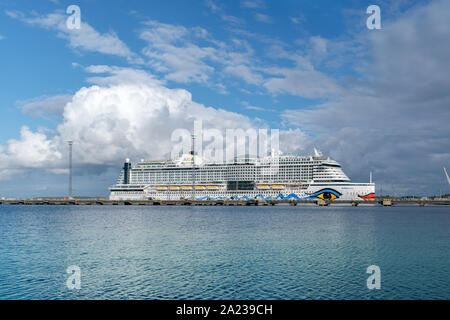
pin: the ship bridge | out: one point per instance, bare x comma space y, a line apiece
329, 171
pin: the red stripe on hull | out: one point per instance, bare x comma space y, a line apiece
370, 196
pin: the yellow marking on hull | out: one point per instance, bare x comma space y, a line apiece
321, 196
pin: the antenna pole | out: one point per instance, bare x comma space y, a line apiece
70, 168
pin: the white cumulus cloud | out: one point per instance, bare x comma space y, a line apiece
32, 150
117, 117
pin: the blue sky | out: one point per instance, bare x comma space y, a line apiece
309, 68
32, 48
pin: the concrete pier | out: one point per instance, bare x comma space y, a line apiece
319, 202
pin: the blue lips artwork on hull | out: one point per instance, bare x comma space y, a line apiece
324, 194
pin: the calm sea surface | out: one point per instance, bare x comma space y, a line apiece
280, 252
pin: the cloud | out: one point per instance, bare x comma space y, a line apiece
388, 114
308, 83
32, 150
119, 117
44, 105
86, 38
253, 4
245, 73
119, 75
410, 60
318, 47
297, 19
256, 108
174, 51
1, 37
216, 9
305, 78
131, 119
296, 142
394, 118
171, 50
263, 18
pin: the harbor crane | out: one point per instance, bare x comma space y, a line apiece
446, 174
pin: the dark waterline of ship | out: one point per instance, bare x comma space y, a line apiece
283, 252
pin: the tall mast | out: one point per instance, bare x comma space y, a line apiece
70, 168
193, 166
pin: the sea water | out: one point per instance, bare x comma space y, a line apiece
275, 252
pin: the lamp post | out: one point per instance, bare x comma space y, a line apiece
70, 168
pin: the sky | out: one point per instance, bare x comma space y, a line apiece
135, 71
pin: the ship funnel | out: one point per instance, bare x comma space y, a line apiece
126, 171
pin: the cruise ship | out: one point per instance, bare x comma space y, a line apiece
268, 178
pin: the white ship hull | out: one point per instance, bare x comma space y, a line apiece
347, 191
269, 178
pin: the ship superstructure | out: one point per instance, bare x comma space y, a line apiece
271, 177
